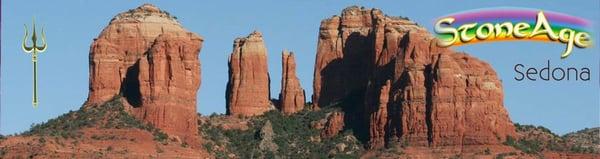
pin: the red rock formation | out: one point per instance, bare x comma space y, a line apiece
380, 118
169, 78
334, 124
145, 55
291, 98
467, 94
436, 96
248, 87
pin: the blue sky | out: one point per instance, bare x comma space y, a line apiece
562, 106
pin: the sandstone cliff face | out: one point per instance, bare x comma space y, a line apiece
291, 98
334, 124
169, 78
401, 87
248, 87
145, 55
379, 119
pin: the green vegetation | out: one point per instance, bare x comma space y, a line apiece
527, 146
42, 140
293, 135
539, 138
69, 124
109, 148
160, 136
583, 149
521, 128
584, 141
132, 13
504, 155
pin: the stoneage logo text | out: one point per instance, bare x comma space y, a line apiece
504, 24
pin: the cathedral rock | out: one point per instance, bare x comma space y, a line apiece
396, 85
248, 87
146, 56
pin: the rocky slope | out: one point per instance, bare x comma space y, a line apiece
276, 135
321, 134
248, 87
145, 55
435, 96
586, 140
104, 131
538, 139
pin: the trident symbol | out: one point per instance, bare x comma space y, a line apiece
34, 50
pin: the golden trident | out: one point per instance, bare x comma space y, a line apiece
34, 50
